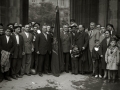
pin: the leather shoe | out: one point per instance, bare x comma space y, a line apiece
18, 76
28, 74
14, 77
47, 73
40, 74
8, 78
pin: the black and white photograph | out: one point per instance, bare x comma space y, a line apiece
59, 44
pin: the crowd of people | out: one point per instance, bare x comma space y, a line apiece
27, 50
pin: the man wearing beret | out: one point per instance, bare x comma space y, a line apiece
17, 53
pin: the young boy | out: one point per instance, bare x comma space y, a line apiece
74, 57
96, 55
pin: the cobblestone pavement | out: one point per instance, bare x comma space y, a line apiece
66, 81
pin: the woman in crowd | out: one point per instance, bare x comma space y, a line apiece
104, 45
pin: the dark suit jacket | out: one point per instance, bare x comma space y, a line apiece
103, 47
81, 40
6, 46
43, 45
66, 42
96, 54
28, 43
17, 53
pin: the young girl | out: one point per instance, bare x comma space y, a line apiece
112, 60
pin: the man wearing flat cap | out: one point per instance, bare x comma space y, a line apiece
17, 53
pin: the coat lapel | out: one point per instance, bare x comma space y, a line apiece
44, 36
5, 39
79, 35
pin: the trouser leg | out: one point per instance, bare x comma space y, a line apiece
23, 65
40, 63
28, 64
46, 63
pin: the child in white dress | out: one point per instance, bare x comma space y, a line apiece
112, 60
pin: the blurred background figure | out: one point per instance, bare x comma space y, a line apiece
102, 34
98, 27
1, 29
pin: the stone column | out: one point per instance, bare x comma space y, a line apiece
102, 14
112, 12
118, 28
15, 11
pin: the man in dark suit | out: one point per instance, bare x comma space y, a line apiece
17, 53
66, 44
82, 40
34, 61
27, 51
6, 44
43, 48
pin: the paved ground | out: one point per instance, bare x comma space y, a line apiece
66, 81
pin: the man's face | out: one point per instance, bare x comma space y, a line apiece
107, 34
44, 29
36, 25
98, 27
65, 28
92, 26
17, 30
102, 29
35, 29
81, 28
109, 27
27, 28
48, 28
73, 29
97, 43
8, 32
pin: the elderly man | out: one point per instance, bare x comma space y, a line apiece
43, 49
93, 35
66, 44
27, 50
82, 40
